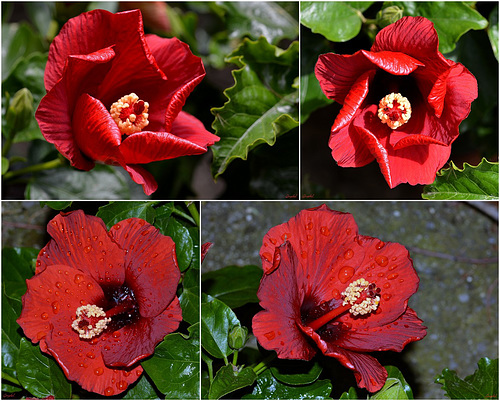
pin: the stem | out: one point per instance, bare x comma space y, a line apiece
259, 368
7, 144
194, 212
235, 357
321, 321
226, 361
34, 168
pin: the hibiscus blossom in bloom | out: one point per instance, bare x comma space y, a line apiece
402, 102
115, 95
326, 287
100, 301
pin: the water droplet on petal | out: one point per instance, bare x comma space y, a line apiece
392, 276
109, 391
267, 256
309, 226
324, 231
44, 315
380, 245
90, 286
387, 285
386, 297
99, 371
55, 307
270, 335
90, 355
382, 260
78, 278
303, 254
348, 254
345, 274
121, 385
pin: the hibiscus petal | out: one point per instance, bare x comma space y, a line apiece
136, 341
96, 134
82, 242
151, 264
280, 295
56, 290
393, 62
184, 71
54, 114
82, 360
393, 336
146, 146
337, 73
143, 177
188, 127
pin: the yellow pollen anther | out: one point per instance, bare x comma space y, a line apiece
353, 292
89, 313
394, 110
130, 114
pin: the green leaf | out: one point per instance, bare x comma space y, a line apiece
41, 15
483, 384
41, 375
11, 334
451, 19
175, 365
395, 387
102, 182
259, 19
17, 265
56, 205
470, 183
168, 225
190, 299
217, 320
18, 41
268, 387
114, 212
350, 395
311, 96
230, 378
262, 104
233, 285
297, 372
5, 165
143, 389
336, 21
493, 30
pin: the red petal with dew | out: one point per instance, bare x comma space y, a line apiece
138, 340
151, 265
96, 134
56, 290
82, 242
393, 336
280, 296
184, 71
82, 360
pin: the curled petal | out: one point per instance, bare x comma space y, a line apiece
142, 176
136, 341
151, 264
393, 62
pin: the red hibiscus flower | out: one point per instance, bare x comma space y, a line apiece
402, 102
326, 287
115, 95
100, 302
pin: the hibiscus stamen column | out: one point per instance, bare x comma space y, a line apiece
130, 114
360, 298
394, 110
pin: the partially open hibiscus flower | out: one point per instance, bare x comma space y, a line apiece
101, 301
115, 95
402, 102
326, 287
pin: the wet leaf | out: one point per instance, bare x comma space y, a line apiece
483, 384
395, 387
262, 104
233, 285
336, 21
230, 378
268, 387
311, 96
40, 375
470, 183
114, 212
175, 365
451, 19
217, 320
143, 389
349, 395
11, 335
17, 265
297, 372
190, 299
493, 30
56, 205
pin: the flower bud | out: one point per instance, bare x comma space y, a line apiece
388, 16
20, 111
238, 337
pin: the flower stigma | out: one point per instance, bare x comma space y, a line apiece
130, 114
360, 298
90, 321
394, 110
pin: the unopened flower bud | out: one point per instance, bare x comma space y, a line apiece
20, 111
388, 16
238, 337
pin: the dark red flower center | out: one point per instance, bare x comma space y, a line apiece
130, 114
394, 110
359, 298
92, 320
